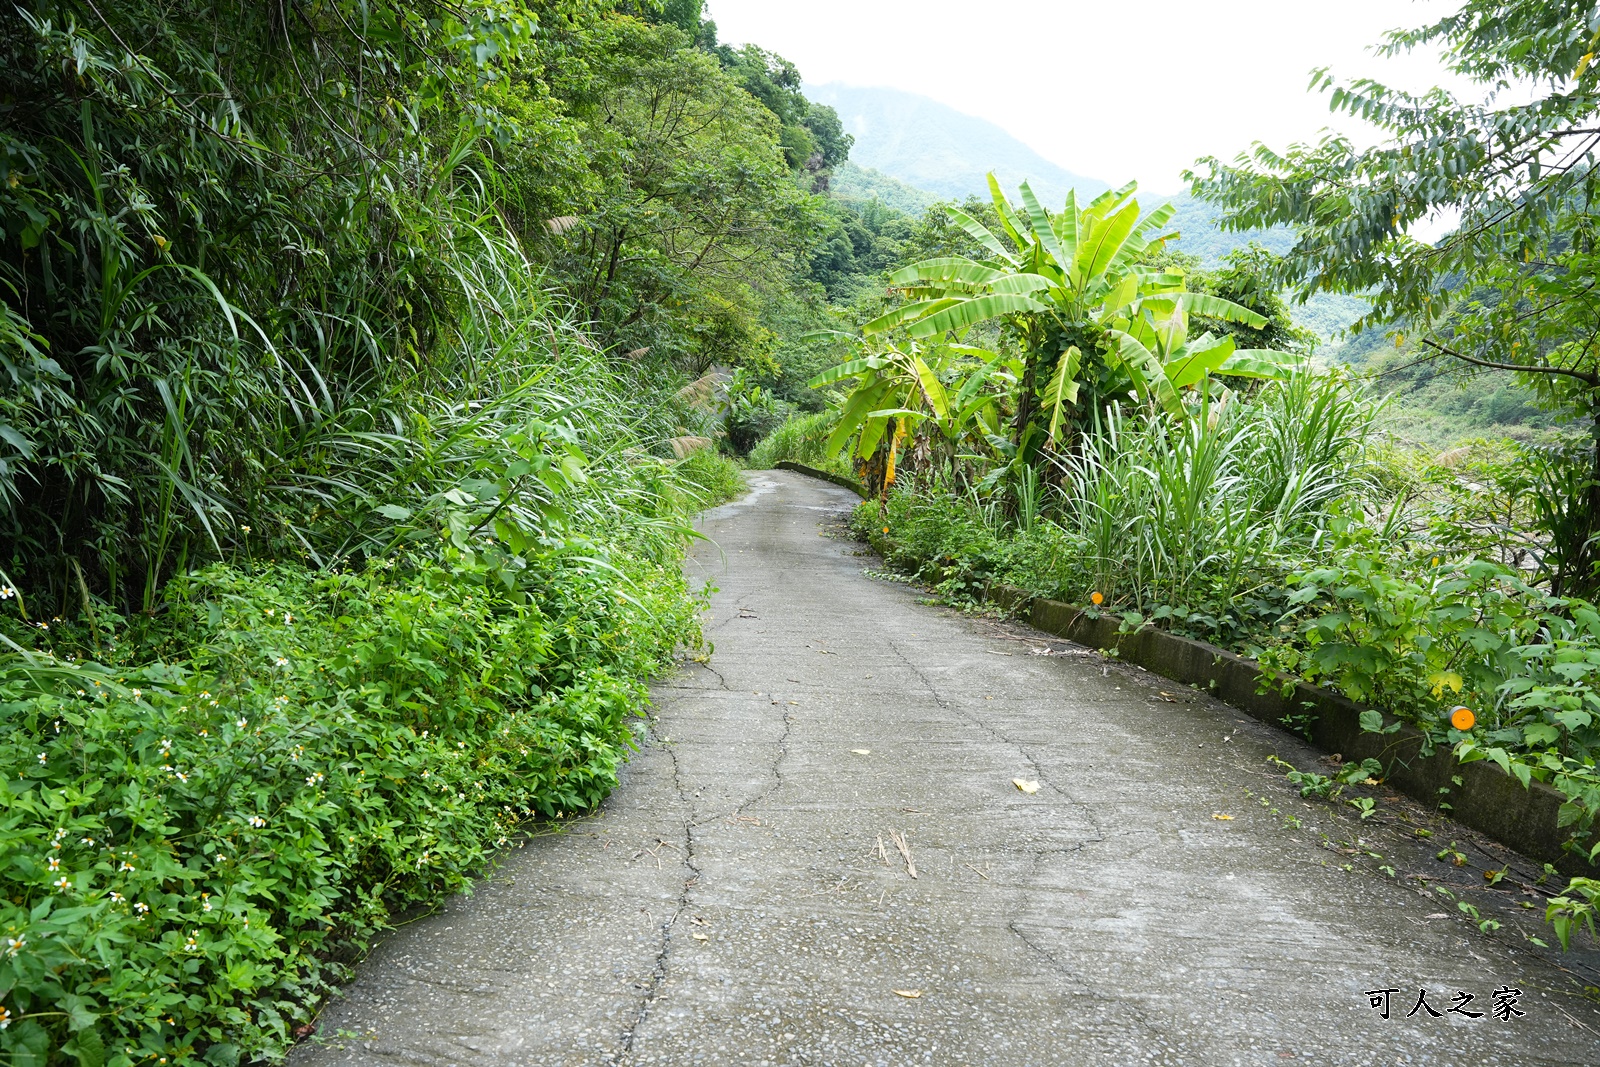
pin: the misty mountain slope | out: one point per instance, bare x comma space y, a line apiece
851, 181
937, 148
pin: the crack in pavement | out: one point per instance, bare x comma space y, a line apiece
1000, 735
658, 975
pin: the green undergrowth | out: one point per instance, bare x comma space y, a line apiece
708, 478
802, 439
198, 845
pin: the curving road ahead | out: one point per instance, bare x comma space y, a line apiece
744, 897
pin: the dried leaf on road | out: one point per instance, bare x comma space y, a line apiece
1025, 786
909, 994
1222, 818
862, 751
700, 937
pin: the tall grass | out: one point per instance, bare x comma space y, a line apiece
800, 440
1214, 506
1198, 519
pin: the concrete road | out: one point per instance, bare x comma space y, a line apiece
745, 898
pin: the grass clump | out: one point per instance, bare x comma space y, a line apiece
801, 439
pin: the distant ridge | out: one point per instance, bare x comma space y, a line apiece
854, 182
937, 148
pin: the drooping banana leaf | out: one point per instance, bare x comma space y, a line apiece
908, 312
932, 388
952, 270
980, 233
1217, 307
1020, 283
1146, 372
1062, 388
1261, 363
866, 399
1198, 359
967, 312
845, 370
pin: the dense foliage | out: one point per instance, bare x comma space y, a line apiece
347, 444
1060, 401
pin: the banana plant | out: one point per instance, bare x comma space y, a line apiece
897, 388
1071, 286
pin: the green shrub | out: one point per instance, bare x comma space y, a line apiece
194, 850
709, 478
1469, 633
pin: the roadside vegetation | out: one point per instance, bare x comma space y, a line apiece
1059, 399
349, 445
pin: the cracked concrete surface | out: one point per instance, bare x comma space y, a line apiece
739, 901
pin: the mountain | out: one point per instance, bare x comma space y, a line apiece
926, 144
903, 139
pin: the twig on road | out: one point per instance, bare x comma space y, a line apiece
905, 851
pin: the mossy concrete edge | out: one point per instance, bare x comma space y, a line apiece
1488, 799
828, 476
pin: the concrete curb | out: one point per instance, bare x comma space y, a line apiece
828, 476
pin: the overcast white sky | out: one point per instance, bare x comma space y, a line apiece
1106, 89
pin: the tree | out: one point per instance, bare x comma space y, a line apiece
1513, 287
1072, 291
691, 224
